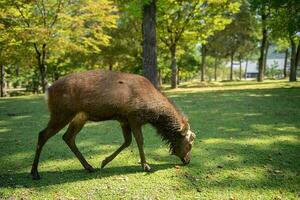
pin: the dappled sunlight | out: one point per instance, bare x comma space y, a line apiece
245, 143
253, 141
21, 117
4, 130
242, 175
245, 86
232, 130
252, 114
274, 127
262, 95
16, 156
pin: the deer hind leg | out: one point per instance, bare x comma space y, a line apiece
55, 124
127, 141
69, 137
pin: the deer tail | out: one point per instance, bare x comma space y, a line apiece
47, 93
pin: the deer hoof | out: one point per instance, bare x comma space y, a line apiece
146, 168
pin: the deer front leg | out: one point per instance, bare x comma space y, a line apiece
127, 141
138, 135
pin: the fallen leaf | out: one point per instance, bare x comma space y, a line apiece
220, 165
208, 176
276, 171
198, 189
186, 174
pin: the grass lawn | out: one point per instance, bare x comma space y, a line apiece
247, 147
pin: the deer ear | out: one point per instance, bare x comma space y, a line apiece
185, 128
193, 136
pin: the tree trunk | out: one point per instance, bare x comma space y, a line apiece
56, 76
17, 70
173, 66
293, 69
231, 66
285, 63
260, 76
35, 82
43, 69
240, 69
297, 57
266, 55
159, 77
246, 69
203, 56
178, 75
149, 42
3, 91
110, 66
216, 66
41, 59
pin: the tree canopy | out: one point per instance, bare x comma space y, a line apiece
43, 40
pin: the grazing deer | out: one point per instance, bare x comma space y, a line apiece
103, 95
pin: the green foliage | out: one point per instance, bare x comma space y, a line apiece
238, 37
285, 18
273, 71
124, 51
182, 22
67, 29
81, 35
282, 44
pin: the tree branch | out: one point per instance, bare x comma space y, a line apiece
185, 23
22, 15
165, 41
42, 11
56, 14
37, 50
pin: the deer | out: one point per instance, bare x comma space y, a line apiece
99, 95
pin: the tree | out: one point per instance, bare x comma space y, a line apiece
8, 44
125, 50
217, 15
4, 41
191, 20
188, 64
237, 39
149, 42
262, 8
247, 50
286, 20
283, 44
50, 26
175, 19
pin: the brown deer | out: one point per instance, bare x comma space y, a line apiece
103, 95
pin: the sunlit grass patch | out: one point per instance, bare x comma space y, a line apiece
247, 147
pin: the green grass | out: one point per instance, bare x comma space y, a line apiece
247, 147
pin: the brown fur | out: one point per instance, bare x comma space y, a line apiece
103, 95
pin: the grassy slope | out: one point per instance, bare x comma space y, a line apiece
247, 148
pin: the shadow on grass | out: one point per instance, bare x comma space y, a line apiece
15, 180
250, 132
249, 138
227, 84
